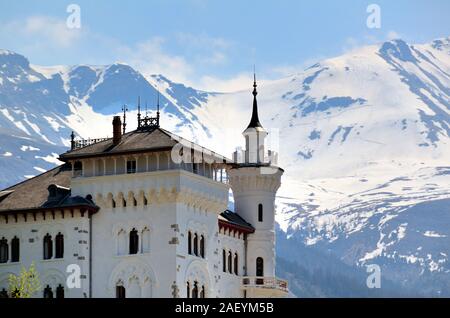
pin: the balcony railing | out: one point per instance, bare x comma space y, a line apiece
265, 282
77, 144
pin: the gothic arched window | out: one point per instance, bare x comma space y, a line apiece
230, 262
188, 290
134, 241
195, 244
224, 261
189, 243
195, 290
59, 245
202, 246
4, 293
120, 291
260, 212
48, 246
3, 250
15, 249
259, 266
236, 263
48, 293
60, 291
202, 292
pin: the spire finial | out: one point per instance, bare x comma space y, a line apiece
157, 109
124, 125
72, 140
254, 121
157, 102
139, 111
254, 82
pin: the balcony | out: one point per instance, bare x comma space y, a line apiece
264, 286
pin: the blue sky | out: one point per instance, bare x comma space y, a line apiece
211, 44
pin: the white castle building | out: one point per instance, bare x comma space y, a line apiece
144, 214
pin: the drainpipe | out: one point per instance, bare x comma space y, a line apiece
245, 261
90, 256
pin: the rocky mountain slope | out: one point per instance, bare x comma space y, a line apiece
364, 139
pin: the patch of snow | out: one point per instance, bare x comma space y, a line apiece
55, 125
29, 148
40, 169
433, 234
53, 158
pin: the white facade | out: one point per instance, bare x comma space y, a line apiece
176, 202
159, 230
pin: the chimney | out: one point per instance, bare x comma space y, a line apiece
117, 130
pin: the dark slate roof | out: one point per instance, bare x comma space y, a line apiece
136, 141
34, 194
235, 219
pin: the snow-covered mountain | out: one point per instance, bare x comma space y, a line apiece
364, 139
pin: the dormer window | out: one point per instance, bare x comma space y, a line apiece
131, 166
52, 191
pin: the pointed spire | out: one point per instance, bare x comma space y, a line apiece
254, 121
139, 112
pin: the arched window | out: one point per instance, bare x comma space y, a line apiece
224, 261
3, 250
260, 212
120, 291
15, 249
60, 291
188, 290
230, 262
59, 245
48, 247
202, 246
4, 293
48, 293
189, 243
202, 292
134, 241
236, 270
259, 269
195, 244
77, 168
195, 290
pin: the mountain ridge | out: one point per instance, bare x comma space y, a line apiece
364, 142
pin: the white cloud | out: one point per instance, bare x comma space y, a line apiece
392, 35
43, 31
238, 82
149, 57
203, 41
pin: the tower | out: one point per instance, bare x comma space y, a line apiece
255, 180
